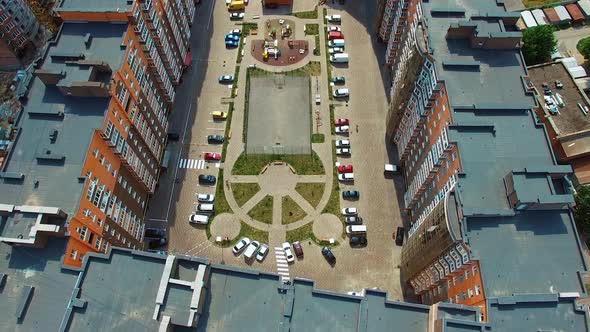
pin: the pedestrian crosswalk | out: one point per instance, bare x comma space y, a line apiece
282, 265
192, 163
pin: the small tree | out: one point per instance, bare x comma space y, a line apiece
584, 47
539, 44
582, 212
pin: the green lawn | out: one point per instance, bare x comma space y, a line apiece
252, 233
317, 138
244, 191
263, 210
221, 204
536, 3
312, 29
333, 205
252, 164
302, 233
307, 15
316, 50
312, 192
291, 212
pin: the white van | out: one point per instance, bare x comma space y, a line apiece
252, 249
356, 229
339, 57
205, 208
336, 43
198, 219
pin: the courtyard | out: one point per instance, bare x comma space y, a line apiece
276, 183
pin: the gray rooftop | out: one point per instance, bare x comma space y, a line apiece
59, 184
496, 133
94, 6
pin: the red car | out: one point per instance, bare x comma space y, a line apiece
345, 169
335, 35
212, 156
341, 122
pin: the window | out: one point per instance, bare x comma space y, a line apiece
456, 298
97, 243
454, 281
449, 284
463, 296
460, 278
101, 160
474, 270
82, 232
466, 274
477, 290
469, 293
106, 228
95, 153
73, 254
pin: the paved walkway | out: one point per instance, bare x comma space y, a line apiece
276, 181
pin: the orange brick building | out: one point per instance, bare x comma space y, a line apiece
120, 69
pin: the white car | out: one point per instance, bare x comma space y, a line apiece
251, 250
236, 32
335, 50
262, 252
334, 18
333, 28
288, 252
227, 2
341, 93
343, 143
205, 198
198, 219
346, 177
236, 16
341, 129
343, 152
243, 243
351, 211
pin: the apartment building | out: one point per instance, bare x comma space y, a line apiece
97, 115
484, 193
18, 28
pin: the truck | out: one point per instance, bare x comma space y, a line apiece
339, 58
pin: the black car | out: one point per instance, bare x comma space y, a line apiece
215, 139
358, 241
339, 80
328, 255
207, 179
157, 243
156, 233
399, 236
173, 136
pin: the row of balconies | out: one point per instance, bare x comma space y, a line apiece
449, 262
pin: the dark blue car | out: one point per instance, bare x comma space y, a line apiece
231, 37
231, 43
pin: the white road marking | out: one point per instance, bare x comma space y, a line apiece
192, 163
282, 264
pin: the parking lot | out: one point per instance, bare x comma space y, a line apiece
372, 266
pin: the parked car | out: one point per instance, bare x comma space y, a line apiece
353, 220
231, 37
358, 241
288, 252
215, 139
340, 93
345, 177
198, 219
262, 252
350, 194
342, 129
399, 236
219, 115
350, 211
205, 208
391, 169
173, 136
236, 16
333, 28
343, 152
224, 79
212, 156
231, 43
205, 198
328, 255
241, 245
339, 80
155, 233
207, 179
298, 249
332, 35
157, 243
334, 18
344, 169
227, 2
343, 143
236, 32
335, 50
341, 122
251, 250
